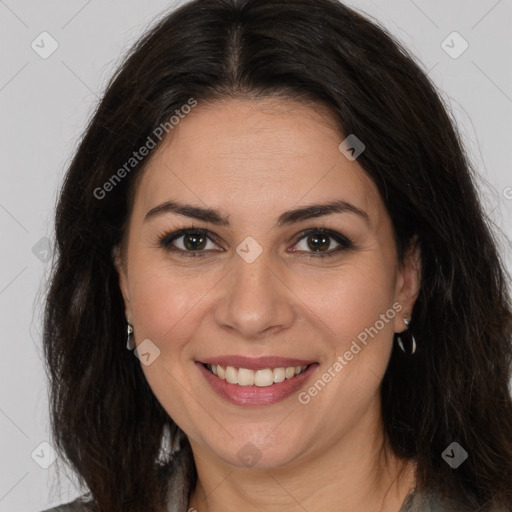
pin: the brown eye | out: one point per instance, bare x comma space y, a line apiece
318, 242
194, 242
188, 242
322, 242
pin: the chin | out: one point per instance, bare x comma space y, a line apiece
267, 453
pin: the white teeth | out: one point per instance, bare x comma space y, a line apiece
245, 377
261, 378
264, 378
290, 372
231, 375
279, 374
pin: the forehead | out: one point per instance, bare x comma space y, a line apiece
245, 156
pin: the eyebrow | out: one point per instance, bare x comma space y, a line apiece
290, 217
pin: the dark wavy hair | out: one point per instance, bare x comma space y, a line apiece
106, 422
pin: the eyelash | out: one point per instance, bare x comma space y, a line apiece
166, 240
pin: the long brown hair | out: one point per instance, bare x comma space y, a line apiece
105, 419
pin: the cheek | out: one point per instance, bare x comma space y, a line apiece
165, 301
350, 299
167, 308
356, 314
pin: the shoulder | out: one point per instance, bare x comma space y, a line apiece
433, 500
78, 505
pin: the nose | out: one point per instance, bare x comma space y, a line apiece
255, 301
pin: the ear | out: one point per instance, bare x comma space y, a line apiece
408, 284
121, 267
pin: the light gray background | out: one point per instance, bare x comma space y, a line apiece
45, 104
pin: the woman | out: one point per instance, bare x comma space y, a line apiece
272, 207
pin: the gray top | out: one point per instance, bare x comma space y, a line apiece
177, 499
415, 502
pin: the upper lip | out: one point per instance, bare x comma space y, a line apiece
258, 363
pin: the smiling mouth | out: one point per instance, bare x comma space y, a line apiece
260, 378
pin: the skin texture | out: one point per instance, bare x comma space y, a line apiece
253, 160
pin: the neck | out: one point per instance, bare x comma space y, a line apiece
353, 474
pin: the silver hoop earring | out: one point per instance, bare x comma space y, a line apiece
130, 338
413, 341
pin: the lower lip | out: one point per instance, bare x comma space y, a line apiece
254, 395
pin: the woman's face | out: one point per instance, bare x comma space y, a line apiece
254, 292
